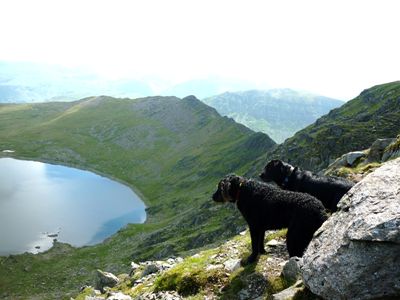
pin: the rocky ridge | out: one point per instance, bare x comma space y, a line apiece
210, 274
356, 165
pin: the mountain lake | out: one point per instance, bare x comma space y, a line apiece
41, 202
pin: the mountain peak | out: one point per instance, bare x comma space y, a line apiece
190, 98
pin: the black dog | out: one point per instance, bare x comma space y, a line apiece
328, 189
266, 207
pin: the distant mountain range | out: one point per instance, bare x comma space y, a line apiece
32, 82
277, 112
36, 82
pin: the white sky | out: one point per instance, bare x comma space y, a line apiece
335, 48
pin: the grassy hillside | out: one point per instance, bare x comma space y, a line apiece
280, 113
374, 114
171, 151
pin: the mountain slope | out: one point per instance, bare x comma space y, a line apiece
374, 114
171, 151
278, 112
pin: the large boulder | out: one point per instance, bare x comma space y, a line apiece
356, 253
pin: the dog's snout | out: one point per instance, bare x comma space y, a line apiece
217, 197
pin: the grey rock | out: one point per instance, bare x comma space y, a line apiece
291, 270
356, 252
214, 267
105, 279
244, 294
392, 151
351, 157
272, 243
377, 148
93, 298
150, 269
290, 292
345, 160
134, 266
232, 265
119, 296
167, 295
391, 155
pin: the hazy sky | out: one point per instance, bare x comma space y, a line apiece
335, 48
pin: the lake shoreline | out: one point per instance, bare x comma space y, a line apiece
76, 166
39, 249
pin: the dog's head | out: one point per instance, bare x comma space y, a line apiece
227, 188
276, 170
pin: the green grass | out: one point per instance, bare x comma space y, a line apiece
192, 279
171, 152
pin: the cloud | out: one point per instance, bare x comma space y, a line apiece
331, 47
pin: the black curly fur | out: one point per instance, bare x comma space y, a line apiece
266, 207
328, 189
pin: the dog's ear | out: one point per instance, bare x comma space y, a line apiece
277, 163
225, 190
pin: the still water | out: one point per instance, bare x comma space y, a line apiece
41, 202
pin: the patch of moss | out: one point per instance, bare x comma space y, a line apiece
305, 294
189, 277
88, 291
277, 234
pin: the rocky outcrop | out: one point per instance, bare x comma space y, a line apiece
393, 150
105, 279
347, 160
377, 148
357, 164
356, 253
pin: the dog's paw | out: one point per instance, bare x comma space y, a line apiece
251, 259
262, 251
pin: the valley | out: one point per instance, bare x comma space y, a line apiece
172, 152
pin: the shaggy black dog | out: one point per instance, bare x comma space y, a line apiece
266, 207
328, 189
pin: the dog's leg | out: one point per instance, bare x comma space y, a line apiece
298, 237
291, 242
261, 249
255, 242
